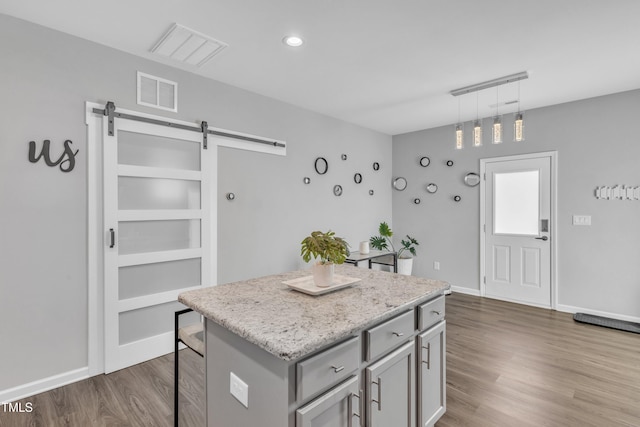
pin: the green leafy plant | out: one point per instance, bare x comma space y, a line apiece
326, 246
408, 245
383, 242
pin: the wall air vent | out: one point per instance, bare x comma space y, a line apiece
189, 46
157, 92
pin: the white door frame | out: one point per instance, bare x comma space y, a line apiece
553, 228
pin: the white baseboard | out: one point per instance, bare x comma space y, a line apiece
468, 291
572, 309
45, 384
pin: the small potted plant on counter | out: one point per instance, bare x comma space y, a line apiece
329, 250
406, 252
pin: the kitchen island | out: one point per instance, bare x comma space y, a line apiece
372, 354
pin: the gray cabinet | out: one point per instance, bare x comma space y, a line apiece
391, 390
431, 398
339, 407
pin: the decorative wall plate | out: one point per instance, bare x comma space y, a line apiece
449, 163
321, 165
357, 178
400, 183
425, 161
376, 166
307, 180
337, 190
457, 198
472, 179
432, 188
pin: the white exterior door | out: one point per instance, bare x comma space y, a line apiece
157, 219
518, 229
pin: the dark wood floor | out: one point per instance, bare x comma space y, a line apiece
514, 365
507, 365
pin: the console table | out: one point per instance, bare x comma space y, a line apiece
356, 257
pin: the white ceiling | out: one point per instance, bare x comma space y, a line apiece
383, 64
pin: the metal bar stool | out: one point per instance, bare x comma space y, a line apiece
193, 337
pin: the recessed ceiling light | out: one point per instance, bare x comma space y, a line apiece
293, 41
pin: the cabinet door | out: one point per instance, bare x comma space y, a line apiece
339, 407
432, 370
390, 389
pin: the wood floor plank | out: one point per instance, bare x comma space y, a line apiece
507, 365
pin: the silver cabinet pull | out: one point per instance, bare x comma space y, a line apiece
428, 361
379, 401
436, 312
351, 411
337, 369
398, 334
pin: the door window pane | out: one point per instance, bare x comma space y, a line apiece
146, 322
154, 236
138, 149
516, 203
157, 193
147, 279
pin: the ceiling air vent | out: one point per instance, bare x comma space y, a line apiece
189, 46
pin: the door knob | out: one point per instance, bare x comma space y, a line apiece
544, 238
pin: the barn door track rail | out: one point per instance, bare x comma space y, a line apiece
110, 111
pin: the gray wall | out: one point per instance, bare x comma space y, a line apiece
46, 77
597, 144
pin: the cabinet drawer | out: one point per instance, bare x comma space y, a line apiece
327, 368
430, 313
388, 335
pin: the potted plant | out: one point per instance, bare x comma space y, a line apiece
329, 250
405, 254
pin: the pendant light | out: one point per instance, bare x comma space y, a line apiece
518, 122
459, 131
477, 126
496, 134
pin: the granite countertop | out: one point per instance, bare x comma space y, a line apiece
290, 324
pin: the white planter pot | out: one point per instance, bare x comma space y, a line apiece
405, 265
322, 274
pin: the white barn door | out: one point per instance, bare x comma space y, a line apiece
157, 219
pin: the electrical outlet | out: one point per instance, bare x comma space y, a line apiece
436, 265
239, 389
582, 220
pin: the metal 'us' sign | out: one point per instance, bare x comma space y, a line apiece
66, 161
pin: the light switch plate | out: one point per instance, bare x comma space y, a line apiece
582, 220
239, 389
